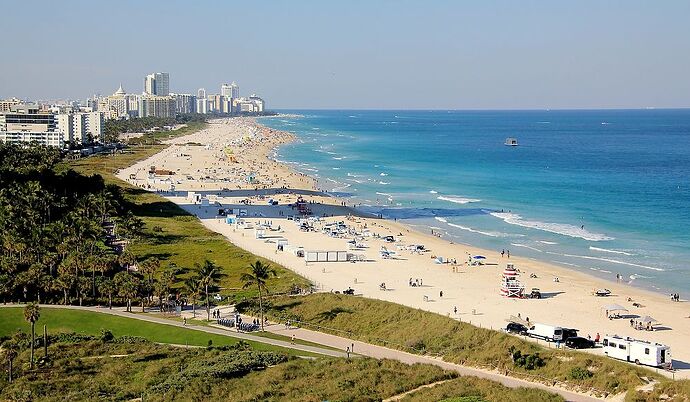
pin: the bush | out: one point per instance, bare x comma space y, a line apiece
106, 335
579, 373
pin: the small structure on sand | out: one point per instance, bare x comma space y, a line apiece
510, 283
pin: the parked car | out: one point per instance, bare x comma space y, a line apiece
578, 342
515, 328
569, 333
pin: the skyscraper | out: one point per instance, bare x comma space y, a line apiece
230, 91
201, 93
157, 84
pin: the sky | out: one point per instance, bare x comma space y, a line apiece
357, 54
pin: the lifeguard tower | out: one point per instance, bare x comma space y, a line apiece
510, 283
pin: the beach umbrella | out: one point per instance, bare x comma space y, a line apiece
647, 319
479, 257
615, 307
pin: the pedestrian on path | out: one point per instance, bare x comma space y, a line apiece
292, 340
184, 321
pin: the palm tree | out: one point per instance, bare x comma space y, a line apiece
11, 351
209, 276
258, 276
192, 287
106, 286
127, 287
31, 314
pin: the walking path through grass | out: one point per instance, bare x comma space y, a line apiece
82, 320
380, 352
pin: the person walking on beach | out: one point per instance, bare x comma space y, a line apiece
440, 294
503, 252
455, 310
508, 253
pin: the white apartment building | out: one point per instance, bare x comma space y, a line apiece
157, 84
24, 124
157, 106
80, 127
184, 103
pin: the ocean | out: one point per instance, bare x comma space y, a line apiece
604, 192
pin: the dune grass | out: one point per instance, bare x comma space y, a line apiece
419, 331
669, 391
97, 370
92, 323
473, 389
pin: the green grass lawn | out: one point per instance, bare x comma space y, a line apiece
91, 323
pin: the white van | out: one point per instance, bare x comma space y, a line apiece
637, 351
546, 332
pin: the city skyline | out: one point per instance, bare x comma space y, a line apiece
438, 55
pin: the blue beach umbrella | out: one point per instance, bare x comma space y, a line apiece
479, 257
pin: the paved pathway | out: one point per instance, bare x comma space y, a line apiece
211, 330
380, 352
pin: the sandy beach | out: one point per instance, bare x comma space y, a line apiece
228, 164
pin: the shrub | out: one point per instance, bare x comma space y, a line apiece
106, 335
579, 373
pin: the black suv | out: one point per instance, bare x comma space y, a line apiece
578, 342
515, 328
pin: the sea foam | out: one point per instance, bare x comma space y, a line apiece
457, 200
609, 251
558, 228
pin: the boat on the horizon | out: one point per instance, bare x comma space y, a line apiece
511, 142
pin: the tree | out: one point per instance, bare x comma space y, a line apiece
209, 276
258, 276
31, 314
163, 287
127, 287
11, 350
192, 288
106, 286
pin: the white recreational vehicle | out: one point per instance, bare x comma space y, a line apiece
639, 352
547, 332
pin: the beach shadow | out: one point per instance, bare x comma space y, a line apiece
549, 295
662, 328
680, 365
160, 256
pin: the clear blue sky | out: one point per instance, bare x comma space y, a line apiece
357, 54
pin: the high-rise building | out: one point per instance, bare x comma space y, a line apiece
201, 101
24, 123
80, 128
157, 84
230, 91
185, 103
157, 106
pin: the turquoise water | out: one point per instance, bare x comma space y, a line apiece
602, 192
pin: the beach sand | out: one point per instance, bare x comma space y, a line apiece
219, 160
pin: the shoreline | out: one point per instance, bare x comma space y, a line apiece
468, 288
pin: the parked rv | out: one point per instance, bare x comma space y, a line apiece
637, 351
547, 332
